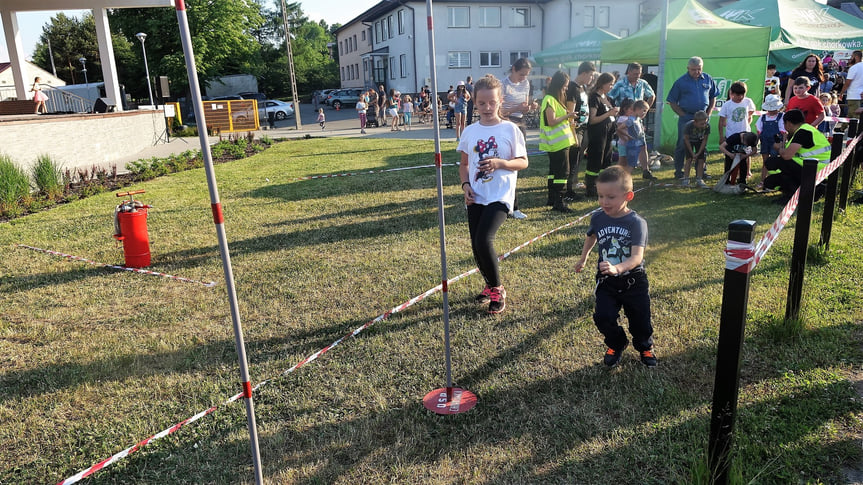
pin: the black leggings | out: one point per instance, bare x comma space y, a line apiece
483, 222
598, 153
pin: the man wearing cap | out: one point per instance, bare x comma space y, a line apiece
691, 92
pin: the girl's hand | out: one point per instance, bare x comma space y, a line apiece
579, 266
468, 194
487, 166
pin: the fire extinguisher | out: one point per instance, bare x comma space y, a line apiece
130, 226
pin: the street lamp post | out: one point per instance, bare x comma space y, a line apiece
142, 37
83, 61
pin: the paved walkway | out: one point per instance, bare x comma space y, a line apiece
342, 123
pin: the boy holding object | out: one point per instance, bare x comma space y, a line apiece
620, 278
695, 135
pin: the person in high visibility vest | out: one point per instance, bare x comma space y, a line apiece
556, 137
802, 141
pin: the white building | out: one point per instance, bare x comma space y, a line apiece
388, 43
31, 71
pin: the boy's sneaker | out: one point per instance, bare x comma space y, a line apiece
684, 182
648, 358
701, 184
612, 357
497, 297
483, 297
517, 214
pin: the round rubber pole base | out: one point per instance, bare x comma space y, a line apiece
449, 401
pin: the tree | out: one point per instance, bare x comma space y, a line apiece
71, 38
222, 38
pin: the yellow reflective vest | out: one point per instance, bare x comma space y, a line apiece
557, 137
820, 151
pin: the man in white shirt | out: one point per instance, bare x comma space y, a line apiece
854, 83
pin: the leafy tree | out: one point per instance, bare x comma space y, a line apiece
71, 38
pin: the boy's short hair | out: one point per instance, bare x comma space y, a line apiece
771, 66
794, 116
586, 66
616, 173
802, 81
738, 87
699, 115
640, 104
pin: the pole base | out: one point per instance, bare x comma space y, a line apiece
451, 400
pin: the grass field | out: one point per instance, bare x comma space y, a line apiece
93, 360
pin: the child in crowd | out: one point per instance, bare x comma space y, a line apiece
695, 135
830, 103
738, 144
492, 152
636, 146
322, 118
621, 132
813, 111
735, 115
620, 279
407, 111
361, 111
770, 128
771, 82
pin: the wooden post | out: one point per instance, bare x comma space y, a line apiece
801, 238
848, 167
732, 323
830, 194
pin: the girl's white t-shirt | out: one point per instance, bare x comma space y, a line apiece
503, 140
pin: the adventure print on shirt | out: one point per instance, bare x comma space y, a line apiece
615, 244
616, 236
485, 149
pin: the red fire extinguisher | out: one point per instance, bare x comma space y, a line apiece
130, 226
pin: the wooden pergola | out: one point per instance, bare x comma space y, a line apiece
9, 19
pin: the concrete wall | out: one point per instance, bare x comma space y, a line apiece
80, 140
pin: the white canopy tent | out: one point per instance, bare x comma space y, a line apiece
9, 19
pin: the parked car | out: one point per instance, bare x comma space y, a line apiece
342, 97
323, 93
281, 109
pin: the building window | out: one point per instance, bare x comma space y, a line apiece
602, 17
489, 59
521, 17
489, 16
363, 38
403, 65
378, 32
343, 73
355, 41
357, 70
384, 30
401, 22
514, 56
392, 67
458, 16
458, 59
589, 13
390, 26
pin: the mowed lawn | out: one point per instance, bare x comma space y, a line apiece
93, 360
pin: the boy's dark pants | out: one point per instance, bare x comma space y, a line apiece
631, 292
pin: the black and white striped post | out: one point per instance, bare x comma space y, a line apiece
801, 238
732, 325
219, 220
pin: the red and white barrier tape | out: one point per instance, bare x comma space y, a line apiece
102, 464
770, 236
351, 174
113, 266
826, 118
739, 256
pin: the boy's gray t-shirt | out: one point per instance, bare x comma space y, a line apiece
615, 236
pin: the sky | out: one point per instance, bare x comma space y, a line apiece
331, 11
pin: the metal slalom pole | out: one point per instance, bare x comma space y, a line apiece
219, 220
448, 400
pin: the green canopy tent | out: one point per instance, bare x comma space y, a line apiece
572, 52
731, 52
798, 28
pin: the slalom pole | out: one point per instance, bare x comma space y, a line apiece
219, 220
449, 400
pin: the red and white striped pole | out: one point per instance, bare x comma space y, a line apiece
219, 220
449, 400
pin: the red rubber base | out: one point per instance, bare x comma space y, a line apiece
455, 402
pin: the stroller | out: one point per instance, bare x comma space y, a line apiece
372, 118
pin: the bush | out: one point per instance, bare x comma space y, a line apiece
48, 177
14, 186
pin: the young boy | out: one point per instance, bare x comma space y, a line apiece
695, 135
769, 127
620, 279
736, 113
771, 82
811, 107
636, 145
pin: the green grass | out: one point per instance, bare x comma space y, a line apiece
93, 360
14, 186
48, 177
